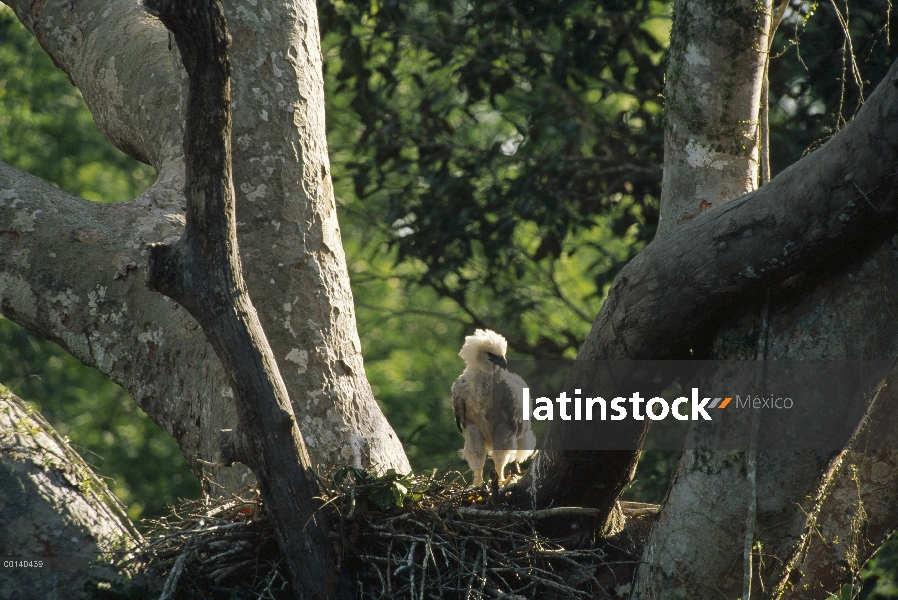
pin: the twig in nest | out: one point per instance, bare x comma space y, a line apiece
171, 583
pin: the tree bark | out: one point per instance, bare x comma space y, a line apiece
852, 514
202, 272
698, 550
839, 200
715, 73
54, 509
841, 311
90, 297
73, 270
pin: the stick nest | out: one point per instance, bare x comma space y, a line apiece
402, 536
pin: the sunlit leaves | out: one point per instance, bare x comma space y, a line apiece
385, 491
469, 130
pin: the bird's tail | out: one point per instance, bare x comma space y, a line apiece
526, 447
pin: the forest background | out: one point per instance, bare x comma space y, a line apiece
489, 172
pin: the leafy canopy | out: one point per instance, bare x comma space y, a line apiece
509, 151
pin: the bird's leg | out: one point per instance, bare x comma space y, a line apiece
478, 476
475, 452
501, 458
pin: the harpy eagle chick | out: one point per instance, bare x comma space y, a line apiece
487, 400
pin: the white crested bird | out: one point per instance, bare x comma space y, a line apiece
487, 401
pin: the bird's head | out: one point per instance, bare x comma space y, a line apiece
483, 348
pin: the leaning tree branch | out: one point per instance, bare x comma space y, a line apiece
202, 272
835, 201
829, 202
73, 270
54, 508
132, 89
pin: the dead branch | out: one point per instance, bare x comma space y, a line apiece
202, 272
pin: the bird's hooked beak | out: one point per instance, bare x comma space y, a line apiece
497, 360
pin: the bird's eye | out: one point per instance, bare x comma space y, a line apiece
497, 360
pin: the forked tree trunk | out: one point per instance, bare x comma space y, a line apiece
74, 271
820, 218
710, 156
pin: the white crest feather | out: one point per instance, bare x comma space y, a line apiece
483, 340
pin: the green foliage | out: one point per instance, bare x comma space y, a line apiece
507, 153
814, 87
410, 340
385, 491
490, 172
879, 578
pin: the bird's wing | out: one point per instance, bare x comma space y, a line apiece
508, 401
460, 391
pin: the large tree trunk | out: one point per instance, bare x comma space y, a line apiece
818, 516
850, 516
73, 271
55, 510
821, 218
712, 99
814, 219
792, 505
